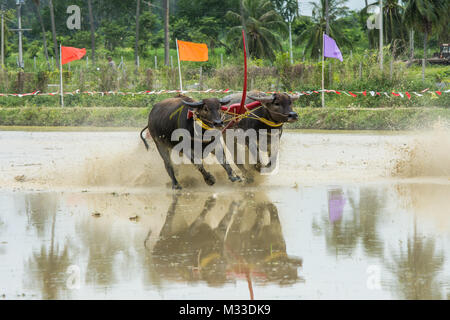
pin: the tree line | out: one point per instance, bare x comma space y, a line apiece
138, 27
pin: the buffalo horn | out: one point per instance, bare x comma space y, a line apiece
225, 100
262, 98
193, 104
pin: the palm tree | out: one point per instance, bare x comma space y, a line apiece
136, 40
424, 15
442, 27
288, 10
392, 17
313, 34
44, 38
166, 32
52, 18
91, 22
263, 26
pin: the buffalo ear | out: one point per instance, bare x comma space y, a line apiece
293, 98
225, 100
193, 104
265, 99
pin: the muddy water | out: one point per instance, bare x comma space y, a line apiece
348, 215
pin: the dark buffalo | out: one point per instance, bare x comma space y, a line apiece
277, 108
171, 114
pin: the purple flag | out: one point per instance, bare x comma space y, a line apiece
336, 202
331, 49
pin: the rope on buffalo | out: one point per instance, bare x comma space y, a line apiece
249, 114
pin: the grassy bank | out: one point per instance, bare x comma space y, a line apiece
332, 100
309, 118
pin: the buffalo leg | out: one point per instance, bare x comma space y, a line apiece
272, 157
224, 163
251, 152
166, 230
248, 176
165, 154
208, 177
200, 220
222, 228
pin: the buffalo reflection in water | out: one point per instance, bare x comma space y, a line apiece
246, 243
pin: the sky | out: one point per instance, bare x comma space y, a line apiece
305, 7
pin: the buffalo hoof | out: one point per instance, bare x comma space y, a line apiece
249, 180
210, 180
235, 178
176, 187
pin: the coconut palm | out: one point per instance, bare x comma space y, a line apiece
312, 36
288, 10
41, 22
392, 17
91, 23
264, 27
425, 15
393, 26
52, 19
166, 32
136, 38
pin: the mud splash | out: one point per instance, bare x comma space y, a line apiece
118, 160
428, 154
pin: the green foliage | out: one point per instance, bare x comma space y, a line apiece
218, 23
312, 35
263, 25
288, 9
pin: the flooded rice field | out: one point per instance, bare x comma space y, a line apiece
91, 215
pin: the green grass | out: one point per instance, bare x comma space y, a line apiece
369, 119
309, 118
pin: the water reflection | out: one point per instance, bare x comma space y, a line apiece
343, 232
415, 268
39, 208
48, 264
247, 242
208, 243
336, 202
417, 264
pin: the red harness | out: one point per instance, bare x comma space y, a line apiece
237, 108
233, 108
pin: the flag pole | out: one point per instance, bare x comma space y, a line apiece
323, 69
179, 67
244, 90
60, 77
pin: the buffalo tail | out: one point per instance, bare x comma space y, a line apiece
143, 139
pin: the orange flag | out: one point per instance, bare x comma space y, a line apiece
70, 54
190, 51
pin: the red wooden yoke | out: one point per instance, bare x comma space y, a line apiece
237, 108
233, 108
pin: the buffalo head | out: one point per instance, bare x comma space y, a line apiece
279, 106
208, 110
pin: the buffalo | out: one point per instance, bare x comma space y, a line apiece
275, 110
171, 114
